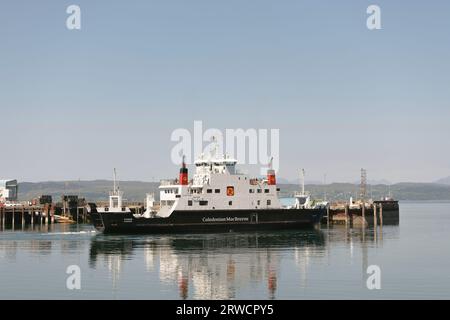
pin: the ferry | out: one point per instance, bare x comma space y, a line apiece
217, 199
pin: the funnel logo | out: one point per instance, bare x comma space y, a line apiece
250, 146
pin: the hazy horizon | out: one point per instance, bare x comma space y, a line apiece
76, 104
281, 180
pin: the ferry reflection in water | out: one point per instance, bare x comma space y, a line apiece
286, 265
221, 265
217, 266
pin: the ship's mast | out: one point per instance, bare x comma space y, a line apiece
214, 148
302, 180
115, 196
114, 178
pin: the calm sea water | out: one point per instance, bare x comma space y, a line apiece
331, 263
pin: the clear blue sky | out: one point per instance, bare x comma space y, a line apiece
75, 104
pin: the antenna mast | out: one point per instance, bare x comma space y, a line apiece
302, 180
214, 150
363, 185
115, 185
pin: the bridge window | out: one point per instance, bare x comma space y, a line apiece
269, 202
266, 190
217, 191
230, 203
209, 191
259, 190
203, 202
251, 191
189, 202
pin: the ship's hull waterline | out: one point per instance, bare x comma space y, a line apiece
209, 221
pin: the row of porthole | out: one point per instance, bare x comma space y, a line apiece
230, 203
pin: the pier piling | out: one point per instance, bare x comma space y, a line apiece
363, 213
13, 217
381, 214
375, 215
328, 215
346, 215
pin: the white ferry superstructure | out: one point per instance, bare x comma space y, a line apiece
218, 198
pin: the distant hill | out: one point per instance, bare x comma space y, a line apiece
98, 190
296, 181
400, 191
382, 181
444, 181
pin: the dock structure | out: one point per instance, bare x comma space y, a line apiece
365, 215
24, 216
21, 216
364, 212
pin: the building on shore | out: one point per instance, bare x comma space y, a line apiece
8, 190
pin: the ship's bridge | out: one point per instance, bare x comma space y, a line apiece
215, 165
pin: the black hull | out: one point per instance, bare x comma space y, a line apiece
209, 221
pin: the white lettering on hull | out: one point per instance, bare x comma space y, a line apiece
225, 219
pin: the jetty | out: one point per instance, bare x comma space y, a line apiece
375, 213
363, 212
21, 216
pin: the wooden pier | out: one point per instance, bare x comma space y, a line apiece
375, 214
21, 216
